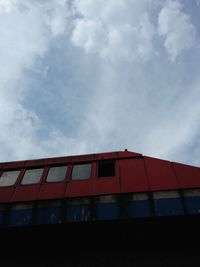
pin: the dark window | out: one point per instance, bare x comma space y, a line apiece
106, 168
32, 176
9, 178
56, 174
81, 172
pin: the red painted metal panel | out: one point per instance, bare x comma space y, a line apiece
82, 158
79, 188
128, 154
106, 185
36, 163
52, 190
133, 175
25, 193
104, 156
5, 194
188, 176
57, 161
13, 165
160, 174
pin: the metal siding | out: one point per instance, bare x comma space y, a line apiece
58, 161
15, 165
82, 159
36, 163
106, 185
106, 156
52, 190
128, 154
133, 176
160, 174
25, 193
188, 176
79, 188
5, 194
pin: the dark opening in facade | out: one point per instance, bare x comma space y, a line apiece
106, 168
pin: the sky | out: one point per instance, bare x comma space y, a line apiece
84, 76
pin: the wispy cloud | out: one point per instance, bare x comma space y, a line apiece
89, 76
175, 26
119, 30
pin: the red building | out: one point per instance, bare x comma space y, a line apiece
99, 195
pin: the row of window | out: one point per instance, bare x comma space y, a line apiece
57, 174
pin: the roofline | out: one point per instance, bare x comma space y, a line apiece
73, 158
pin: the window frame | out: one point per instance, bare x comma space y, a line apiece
41, 177
11, 170
55, 166
81, 163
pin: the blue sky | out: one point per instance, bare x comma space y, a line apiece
83, 76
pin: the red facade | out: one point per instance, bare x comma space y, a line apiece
110, 173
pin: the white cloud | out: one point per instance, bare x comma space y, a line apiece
114, 30
56, 14
127, 99
6, 5
24, 38
176, 27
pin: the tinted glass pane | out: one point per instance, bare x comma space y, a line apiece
8, 178
106, 168
81, 172
56, 174
32, 176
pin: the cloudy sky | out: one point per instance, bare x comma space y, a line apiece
84, 76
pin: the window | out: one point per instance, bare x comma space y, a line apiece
32, 176
9, 178
106, 168
81, 172
57, 174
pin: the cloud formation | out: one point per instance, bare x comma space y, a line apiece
176, 28
87, 76
119, 30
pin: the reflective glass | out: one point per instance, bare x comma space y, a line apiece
9, 178
81, 172
57, 174
32, 176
